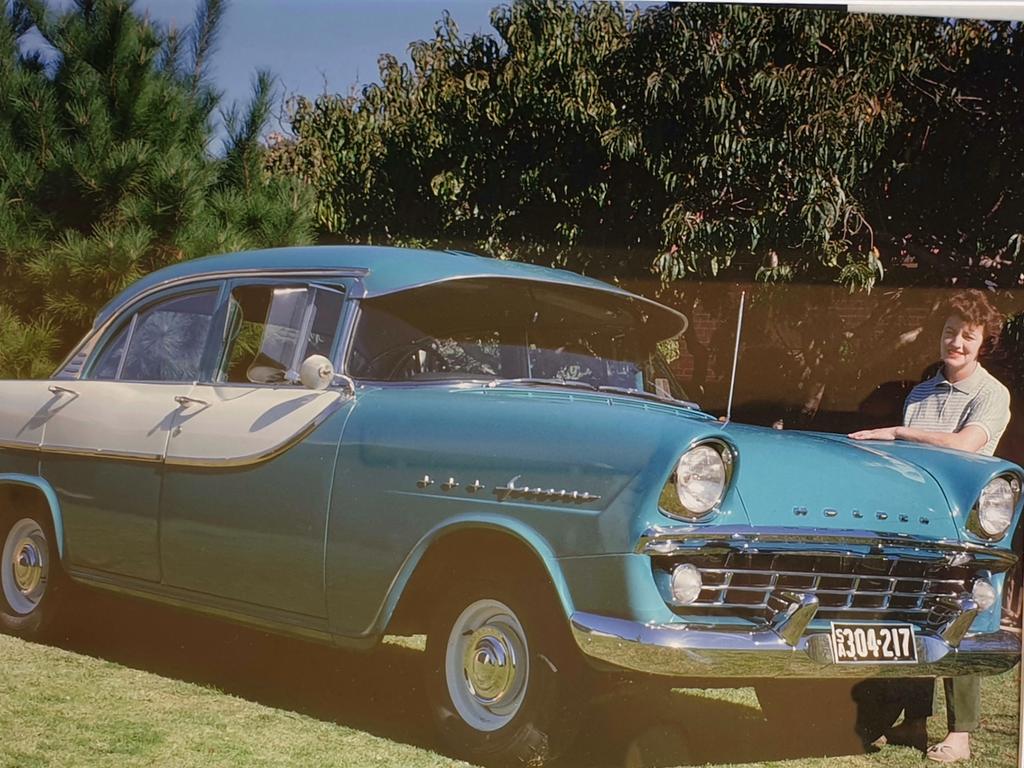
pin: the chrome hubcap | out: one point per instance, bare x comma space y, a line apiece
28, 567
490, 665
25, 566
487, 665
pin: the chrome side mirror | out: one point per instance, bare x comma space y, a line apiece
317, 373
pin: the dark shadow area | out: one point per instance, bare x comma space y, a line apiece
378, 692
651, 727
381, 692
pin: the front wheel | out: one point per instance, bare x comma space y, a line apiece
498, 673
29, 577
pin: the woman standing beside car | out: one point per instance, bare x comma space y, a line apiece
966, 408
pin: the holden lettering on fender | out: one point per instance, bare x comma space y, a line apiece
832, 513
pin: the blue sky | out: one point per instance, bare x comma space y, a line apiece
311, 45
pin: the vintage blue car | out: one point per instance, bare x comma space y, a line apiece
336, 443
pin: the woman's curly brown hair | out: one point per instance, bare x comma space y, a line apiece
974, 307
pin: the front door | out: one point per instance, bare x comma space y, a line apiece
250, 461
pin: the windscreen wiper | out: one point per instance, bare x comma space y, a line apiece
647, 395
535, 382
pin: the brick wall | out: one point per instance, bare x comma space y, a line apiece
864, 378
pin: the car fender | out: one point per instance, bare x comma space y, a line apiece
51, 499
502, 524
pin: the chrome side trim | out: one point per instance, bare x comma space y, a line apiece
511, 491
672, 541
267, 455
297, 625
99, 453
236, 461
20, 445
680, 650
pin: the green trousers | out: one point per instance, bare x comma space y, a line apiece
963, 701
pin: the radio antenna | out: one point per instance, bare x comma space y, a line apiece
735, 357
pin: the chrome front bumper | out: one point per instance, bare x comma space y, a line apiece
680, 650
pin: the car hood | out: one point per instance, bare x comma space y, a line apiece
821, 481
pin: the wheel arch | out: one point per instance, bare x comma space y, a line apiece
43, 493
460, 546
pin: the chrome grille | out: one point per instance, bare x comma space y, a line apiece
848, 587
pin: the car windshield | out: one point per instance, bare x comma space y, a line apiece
491, 329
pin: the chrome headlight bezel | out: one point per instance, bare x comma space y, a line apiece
976, 522
670, 502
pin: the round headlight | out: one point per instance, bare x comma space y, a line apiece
701, 477
984, 594
995, 507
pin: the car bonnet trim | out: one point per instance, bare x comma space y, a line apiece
674, 541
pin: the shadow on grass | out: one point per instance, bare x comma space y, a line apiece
381, 692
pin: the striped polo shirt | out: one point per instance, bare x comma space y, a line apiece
979, 400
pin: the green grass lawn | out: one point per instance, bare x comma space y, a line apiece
132, 685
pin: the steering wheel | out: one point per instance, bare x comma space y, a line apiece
410, 365
405, 365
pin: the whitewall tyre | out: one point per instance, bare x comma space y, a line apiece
29, 576
500, 676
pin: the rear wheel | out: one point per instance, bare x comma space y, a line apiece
499, 673
29, 576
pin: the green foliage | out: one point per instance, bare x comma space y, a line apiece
24, 347
693, 140
105, 172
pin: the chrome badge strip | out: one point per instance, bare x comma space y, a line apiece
668, 541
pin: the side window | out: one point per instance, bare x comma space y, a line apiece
168, 339
110, 359
163, 342
271, 329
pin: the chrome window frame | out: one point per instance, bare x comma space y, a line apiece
94, 341
110, 330
340, 285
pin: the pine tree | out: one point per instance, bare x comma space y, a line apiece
106, 171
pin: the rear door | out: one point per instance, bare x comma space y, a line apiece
106, 435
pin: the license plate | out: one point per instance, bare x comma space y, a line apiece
873, 643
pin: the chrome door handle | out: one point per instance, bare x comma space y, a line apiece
56, 389
184, 401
